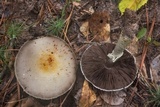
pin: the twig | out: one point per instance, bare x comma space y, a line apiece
146, 46
18, 94
147, 19
80, 48
49, 9
3, 72
139, 95
88, 42
12, 87
1, 21
12, 100
84, 5
2, 17
51, 6
142, 61
40, 15
144, 53
132, 94
67, 25
16, 100
65, 97
7, 84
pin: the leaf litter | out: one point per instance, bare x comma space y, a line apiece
33, 13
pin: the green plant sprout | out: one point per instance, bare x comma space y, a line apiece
121, 45
154, 99
14, 30
56, 26
2, 54
142, 32
4, 59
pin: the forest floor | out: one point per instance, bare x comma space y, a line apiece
23, 20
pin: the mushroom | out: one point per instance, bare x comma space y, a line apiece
45, 67
104, 74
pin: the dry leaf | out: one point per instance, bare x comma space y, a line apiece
133, 46
99, 102
99, 26
30, 102
88, 97
131, 4
85, 29
113, 98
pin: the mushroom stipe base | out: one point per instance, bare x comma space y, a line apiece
104, 75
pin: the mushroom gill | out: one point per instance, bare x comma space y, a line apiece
102, 73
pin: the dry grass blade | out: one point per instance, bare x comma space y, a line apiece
88, 42
1, 20
40, 15
7, 84
12, 102
18, 93
50, 6
61, 105
146, 48
67, 22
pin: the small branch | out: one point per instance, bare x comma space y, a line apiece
18, 93
7, 84
67, 25
147, 19
146, 47
144, 55
65, 97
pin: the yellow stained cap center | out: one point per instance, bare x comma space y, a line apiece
47, 62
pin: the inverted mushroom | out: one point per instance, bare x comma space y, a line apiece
104, 74
45, 67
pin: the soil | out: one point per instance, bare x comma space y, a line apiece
35, 15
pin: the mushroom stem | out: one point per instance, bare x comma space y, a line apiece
121, 45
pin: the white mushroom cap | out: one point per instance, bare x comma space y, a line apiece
45, 67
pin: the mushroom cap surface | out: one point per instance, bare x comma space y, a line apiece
45, 67
104, 75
